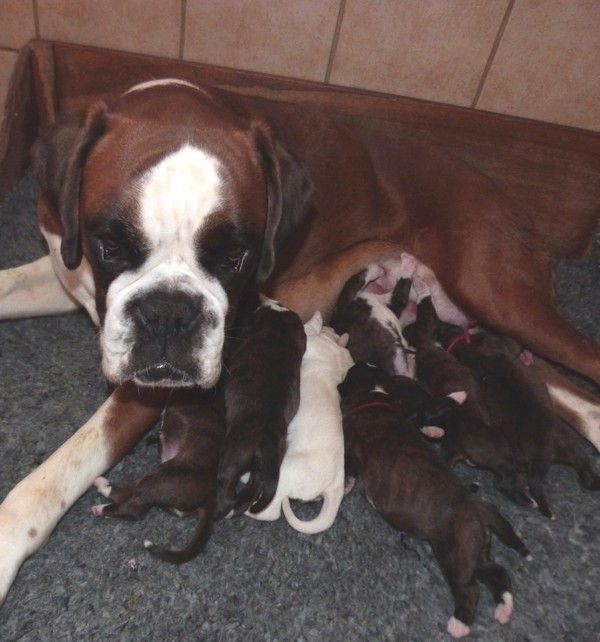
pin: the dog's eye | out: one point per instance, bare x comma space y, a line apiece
234, 259
111, 251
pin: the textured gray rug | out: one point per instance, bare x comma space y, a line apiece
258, 581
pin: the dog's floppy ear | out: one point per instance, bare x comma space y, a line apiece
288, 194
58, 159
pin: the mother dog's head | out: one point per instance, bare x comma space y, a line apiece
179, 200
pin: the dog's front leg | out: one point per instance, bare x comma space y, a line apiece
33, 290
33, 508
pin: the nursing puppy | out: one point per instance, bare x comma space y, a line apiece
190, 441
468, 433
262, 393
520, 408
415, 492
368, 309
313, 465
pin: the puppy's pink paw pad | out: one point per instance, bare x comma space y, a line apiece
98, 510
433, 432
504, 610
457, 629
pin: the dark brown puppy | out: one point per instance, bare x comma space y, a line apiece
262, 393
468, 433
417, 493
191, 436
520, 408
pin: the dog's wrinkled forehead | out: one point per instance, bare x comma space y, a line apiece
177, 195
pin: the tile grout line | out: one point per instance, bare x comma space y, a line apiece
36, 19
334, 41
182, 28
495, 46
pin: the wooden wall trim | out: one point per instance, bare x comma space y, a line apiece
19, 124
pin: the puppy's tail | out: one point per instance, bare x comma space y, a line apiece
332, 499
503, 530
194, 548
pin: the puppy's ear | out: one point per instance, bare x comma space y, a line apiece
288, 195
58, 159
343, 340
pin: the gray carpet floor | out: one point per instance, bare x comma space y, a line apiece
258, 581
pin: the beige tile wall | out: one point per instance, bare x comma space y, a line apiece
534, 58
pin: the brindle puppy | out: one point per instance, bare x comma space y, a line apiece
417, 493
521, 409
469, 435
262, 393
190, 437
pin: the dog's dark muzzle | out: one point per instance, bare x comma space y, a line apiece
169, 328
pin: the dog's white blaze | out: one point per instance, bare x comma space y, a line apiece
176, 198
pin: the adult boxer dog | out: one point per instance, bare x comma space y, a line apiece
161, 207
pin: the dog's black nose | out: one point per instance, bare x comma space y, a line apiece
167, 315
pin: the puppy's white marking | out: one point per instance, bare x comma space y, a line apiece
271, 303
378, 388
177, 197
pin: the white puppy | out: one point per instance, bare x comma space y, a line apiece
313, 464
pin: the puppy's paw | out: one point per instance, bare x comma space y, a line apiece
98, 510
459, 396
504, 610
457, 629
527, 357
433, 432
103, 486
